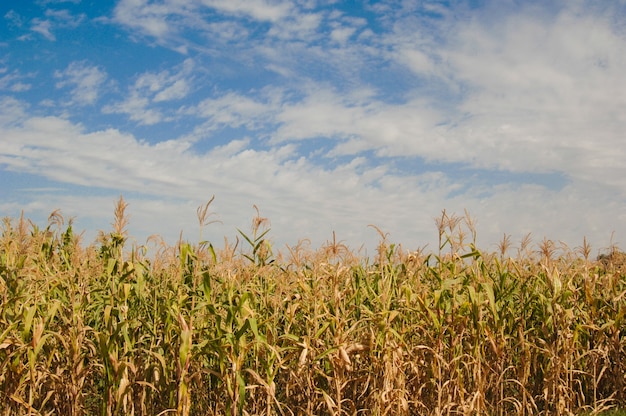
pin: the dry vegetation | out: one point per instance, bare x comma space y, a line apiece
192, 330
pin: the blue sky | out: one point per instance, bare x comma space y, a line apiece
328, 115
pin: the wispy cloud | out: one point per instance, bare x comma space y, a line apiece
295, 192
12, 111
332, 121
43, 27
256, 9
86, 81
163, 21
11, 81
14, 18
55, 19
544, 95
508, 93
152, 88
236, 110
45, 2
151, 19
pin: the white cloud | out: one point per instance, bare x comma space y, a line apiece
157, 82
179, 89
418, 61
168, 20
64, 18
301, 198
298, 27
10, 81
14, 18
512, 89
11, 111
44, 2
146, 17
234, 110
544, 95
256, 9
20, 87
342, 35
43, 28
344, 27
55, 19
527, 93
360, 123
136, 108
152, 88
226, 32
85, 79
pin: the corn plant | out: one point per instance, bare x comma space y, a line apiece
114, 328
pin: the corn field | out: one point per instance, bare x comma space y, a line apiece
192, 329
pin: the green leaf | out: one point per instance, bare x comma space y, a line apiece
28, 321
323, 329
488, 287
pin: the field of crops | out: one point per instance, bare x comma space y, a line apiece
193, 329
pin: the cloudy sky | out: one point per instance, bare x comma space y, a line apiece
328, 115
